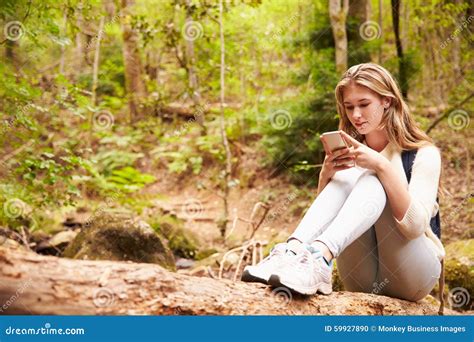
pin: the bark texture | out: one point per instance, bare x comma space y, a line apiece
36, 284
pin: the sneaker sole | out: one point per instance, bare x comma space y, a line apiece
249, 278
323, 288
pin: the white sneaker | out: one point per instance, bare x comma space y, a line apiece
306, 273
265, 268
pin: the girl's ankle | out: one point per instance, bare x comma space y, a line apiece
324, 250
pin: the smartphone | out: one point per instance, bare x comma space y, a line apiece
333, 141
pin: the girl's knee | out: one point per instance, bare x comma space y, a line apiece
412, 292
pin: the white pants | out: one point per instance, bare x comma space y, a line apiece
353, 218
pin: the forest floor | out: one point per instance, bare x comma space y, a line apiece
289, 202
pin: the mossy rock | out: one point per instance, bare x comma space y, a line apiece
459, 273
181, 241
120, 238
205, 253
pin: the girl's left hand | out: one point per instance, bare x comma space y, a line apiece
365, 157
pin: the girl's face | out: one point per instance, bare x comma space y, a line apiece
364, 107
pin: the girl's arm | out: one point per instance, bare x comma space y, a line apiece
413, 208
398, 196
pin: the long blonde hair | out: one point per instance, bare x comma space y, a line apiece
402, 129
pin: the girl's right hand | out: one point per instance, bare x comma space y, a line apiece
336, 161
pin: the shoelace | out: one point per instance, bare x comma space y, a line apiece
273, 253
301, 261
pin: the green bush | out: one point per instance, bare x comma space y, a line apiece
297, 148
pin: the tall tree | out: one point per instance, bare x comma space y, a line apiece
358, 14
134, 83
193, 83
225, 141
380, 22
402, 67
338, 14
80, 53
95, 73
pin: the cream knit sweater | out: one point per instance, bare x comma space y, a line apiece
423, 190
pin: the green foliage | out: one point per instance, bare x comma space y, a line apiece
298, 144
130, 179
279, 58
109, 160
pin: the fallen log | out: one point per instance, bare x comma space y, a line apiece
36, 284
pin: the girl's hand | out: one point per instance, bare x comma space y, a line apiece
336, 161
363, 155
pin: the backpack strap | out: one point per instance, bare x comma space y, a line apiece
408, 157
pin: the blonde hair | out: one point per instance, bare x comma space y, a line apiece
402, 129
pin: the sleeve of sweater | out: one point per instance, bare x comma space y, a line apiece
423, 189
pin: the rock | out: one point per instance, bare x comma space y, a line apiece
120, 237
182, 263
181, 241
38, 236
205, 253
459, 274
10, 243
57, 244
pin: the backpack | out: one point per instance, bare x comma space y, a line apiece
408, 157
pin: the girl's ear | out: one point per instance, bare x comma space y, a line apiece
386, 102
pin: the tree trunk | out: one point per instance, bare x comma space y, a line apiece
63, 47
381, 29
11, 54
133, 68
95, 72
338, 15
360, 9
80, 55
456, 50
193, 83
225, 142
45, 285
402, 72
359, 13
